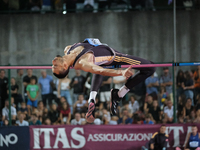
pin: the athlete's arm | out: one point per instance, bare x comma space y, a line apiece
91, 67
67, 49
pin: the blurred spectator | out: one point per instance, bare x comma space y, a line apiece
168, 112
106, 116
64, 90
163, 97
155, 111
54, 114
197, 107
34, 120
180, 119
119, 81
188, 86
133, 104
88, 5
81, 104
148, 119
166, 81
180, 79
125, 106
152, 84
35, 5
5, 112
32, 92
103, 5
62, 100
158, 141
46, 85
78, 120
18, 80
26, 81
13, 102
105, 89
14, 92
21, 121
65, 113
125, 119
181, 104
42, 111
23, 109
137, 119
77, 84
197, 81
113, 120
4, 123
97, 121
3, 88
187, 109
47, 121
148, 104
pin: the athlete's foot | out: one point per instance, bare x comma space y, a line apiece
115, 99
91, 110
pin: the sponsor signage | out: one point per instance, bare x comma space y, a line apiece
103, 137
14, 138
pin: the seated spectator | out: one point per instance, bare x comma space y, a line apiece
125, 119
197, 81
155, 112
5, 112
125, 106
133, 104
47, 121
21, 121
65, 114
137, 119
197, 107
192, 117
180, 79
158, 141
168, 112
197, 120
32, 92
106, 116
81, 104
42, 111
187, 109
97, 121
54, 114
113, 120
78, 120
163, 97
181, 102
152, 84
148, 119
180, 119
148, 104
4, 123
188, 86
34, 120
13, 102
62, 100
23, 108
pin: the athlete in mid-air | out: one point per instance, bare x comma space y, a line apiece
92, 56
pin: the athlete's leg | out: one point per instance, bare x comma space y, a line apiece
96, 83
141, 75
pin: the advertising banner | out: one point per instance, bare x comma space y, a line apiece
103, 137
14, 138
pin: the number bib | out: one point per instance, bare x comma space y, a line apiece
94, 42
194, 144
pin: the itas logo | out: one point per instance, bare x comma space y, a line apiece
8, 139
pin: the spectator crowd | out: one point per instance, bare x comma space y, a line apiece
71, 6
43, 100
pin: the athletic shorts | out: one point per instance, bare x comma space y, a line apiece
32, 103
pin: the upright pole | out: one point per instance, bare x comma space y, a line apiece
9, 88
174, 61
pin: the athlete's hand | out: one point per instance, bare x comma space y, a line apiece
127, 73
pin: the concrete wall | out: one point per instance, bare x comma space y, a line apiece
31, 39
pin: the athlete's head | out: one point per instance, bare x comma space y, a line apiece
162, 129
59, 68
194, 129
